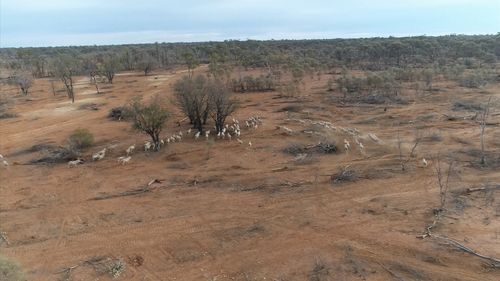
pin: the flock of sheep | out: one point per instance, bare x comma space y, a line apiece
228, 132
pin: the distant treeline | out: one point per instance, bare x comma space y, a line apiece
304, 56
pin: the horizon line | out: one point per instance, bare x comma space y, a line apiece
399, 36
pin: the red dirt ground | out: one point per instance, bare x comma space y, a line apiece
236, 212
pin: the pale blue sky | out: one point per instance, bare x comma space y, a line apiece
88, 22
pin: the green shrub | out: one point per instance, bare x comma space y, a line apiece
81, 139
10, 270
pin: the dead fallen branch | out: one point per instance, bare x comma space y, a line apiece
141, 190
101, 264
393, 274
486, 187
494, 262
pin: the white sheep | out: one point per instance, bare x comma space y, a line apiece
147, 146
361, 146
130, 149
347, 145
1, 156
4, 162
424, 162
75, 163
99, 155
124, 160
249, 143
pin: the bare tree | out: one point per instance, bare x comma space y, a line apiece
223, 105
193, 99
65, 68
191, 62
428, 75
53, 87
443, 180
109, 67
402, 159
484, 116
147, 63
149, 117
24, 81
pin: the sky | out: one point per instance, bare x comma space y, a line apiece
35, 23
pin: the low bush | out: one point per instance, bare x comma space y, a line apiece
10, 271
118, 113
80, 139
326, 147
476, 79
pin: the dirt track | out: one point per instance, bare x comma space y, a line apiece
234, 212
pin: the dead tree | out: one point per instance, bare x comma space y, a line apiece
484, 116
402, 159
443, 181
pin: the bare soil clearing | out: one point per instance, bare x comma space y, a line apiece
237, 212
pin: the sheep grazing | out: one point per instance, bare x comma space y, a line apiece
424, 162
197, 135
249, 143
361, 146
99, 155
130, 149
347, 145
147, 146
124, 160
240, 141
75, 163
